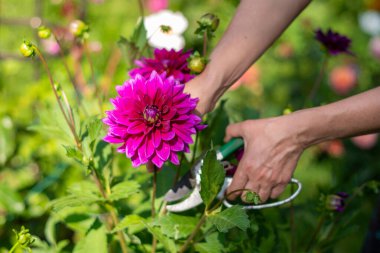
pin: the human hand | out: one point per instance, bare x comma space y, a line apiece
271, 152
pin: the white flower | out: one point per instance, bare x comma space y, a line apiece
370, 22
165, 28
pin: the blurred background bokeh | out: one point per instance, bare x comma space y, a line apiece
34, 169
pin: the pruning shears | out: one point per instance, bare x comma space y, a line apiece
187, 190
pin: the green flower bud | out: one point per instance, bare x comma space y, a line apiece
78, 28
27, 49
44, 32
24, 238
210, 20
287, 111
196, 63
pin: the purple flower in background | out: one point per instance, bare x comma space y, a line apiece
333, 42
153, 119
336, 202
173, 63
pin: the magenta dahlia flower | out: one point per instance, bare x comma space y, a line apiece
173, 63
153, 119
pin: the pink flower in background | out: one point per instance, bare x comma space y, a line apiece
374, 46
51, 46
157, 5
367, 141
343, 79
173, 63
153, 119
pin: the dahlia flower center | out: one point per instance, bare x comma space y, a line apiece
151, 114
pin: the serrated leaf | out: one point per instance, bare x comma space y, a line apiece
168, 244
94, 242
94, 129
212, 245
234, 216
73, 152
176, 226
212, 178
124, 190
132, 222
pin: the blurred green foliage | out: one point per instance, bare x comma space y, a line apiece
35, 171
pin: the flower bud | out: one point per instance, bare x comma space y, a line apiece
24, 238
287, 111
78, 28
196, 63
210, 20
336, 202
27, 49
44, 32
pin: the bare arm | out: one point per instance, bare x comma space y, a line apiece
256, 24
274, 145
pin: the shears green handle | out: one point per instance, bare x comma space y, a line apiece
230, 147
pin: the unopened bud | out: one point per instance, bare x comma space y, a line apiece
287, 111
44, 32
210, 20
24, 238
336, 202
196, 63
27, 49
78, 28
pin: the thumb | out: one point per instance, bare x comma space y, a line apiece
233, 130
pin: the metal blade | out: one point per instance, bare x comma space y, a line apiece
192, 201
183, 187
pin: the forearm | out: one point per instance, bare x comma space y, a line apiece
356, 115
256, 24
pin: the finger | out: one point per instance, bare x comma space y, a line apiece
277, 191
233, 130
238, 182
253, 187
264, 193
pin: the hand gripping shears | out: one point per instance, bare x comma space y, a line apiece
187, 190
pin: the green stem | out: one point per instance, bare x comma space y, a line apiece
317, 82
14, 247
72, 127
193, 234
195, 148
204, 44
97, 89
316, 232
141, 8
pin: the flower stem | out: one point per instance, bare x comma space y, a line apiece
154, 242
195, 147
141, 8
14, 247
204, 44
72, 127
72, 79
316, 232
317, 82
193, 234
97, 89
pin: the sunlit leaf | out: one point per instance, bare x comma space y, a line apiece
176, 226
95, 240
124, 190
231, 217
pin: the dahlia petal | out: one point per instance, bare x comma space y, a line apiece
174, 158
136, 141
167, 136
163, 151
186, 138
112, 139
186, 149
136, 161
142, 156
177, 145
201, 127
149, 148
121, 149
157, 161
136, 127
156, 138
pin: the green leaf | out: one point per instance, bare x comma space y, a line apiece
94, 129
133, 222
73, 152
168, 244
212, 178
139, 35
176, 226
217, 122
212, 245
95, 240
124, 190
229, 218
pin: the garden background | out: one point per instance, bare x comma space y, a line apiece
34, 168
